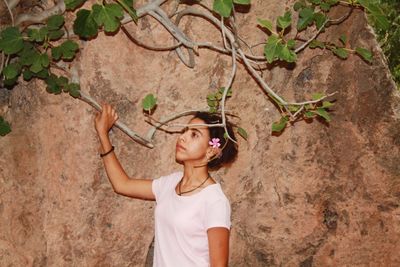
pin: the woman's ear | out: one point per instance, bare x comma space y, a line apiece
213, 152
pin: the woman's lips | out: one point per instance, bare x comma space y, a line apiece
179, 147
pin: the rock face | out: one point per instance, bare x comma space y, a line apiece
316, 195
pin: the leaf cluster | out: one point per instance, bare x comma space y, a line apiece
31, 52
105, 15
224, 7
309, 111
389, 37
214, 99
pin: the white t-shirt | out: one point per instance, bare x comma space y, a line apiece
181, 222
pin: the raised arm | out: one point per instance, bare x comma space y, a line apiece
120, 181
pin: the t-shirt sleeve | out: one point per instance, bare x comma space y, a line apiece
218, 214
160, 185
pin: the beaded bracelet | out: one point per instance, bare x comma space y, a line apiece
105, 154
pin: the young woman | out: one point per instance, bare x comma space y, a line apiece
192, 215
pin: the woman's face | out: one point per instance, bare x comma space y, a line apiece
192, 145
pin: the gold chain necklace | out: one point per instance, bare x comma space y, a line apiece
180, 182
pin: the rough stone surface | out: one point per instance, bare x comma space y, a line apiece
316, 195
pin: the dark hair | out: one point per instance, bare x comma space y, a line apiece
229, 151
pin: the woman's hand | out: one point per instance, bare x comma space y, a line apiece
105, 119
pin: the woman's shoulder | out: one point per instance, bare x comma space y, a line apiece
171, 178
215, 194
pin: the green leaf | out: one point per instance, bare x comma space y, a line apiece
319, 19
309, 106
66, 50
265, 24
343, 39
43, 74
27, 75
72, 4
128, 6
74, 90
287, 55
223, 7
212, 103
340, 52
284, 21
270, 48
84, 25
56, 52
108, 16
309, 114
375, 12
44, 60
293, 108
315, 43
149, 102
55, 22
40, 61
53, 85
291, 43
317, 96
325, 6
298, 5
11, 71
55, 35
242, 132
222, 89
306, 18
324, 114
327, 104
37, 35
62, 82
213, 109
10, 82
242, 2
280, 125
364, 53
211, 97
11, 41
4, 127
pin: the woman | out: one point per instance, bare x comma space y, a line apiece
192, 215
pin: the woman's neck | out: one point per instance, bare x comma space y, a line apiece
193, 175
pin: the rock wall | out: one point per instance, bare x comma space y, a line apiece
316, 195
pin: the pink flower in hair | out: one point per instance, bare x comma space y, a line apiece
214, 143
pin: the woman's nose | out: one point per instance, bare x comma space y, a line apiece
182, 137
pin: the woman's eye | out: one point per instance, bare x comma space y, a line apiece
194, 134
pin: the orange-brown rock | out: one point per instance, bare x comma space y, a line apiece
317, 195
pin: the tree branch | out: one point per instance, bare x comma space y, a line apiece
12, 3
150, 47
135, 136
59, 8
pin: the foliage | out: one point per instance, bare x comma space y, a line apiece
389, 38
35, 52
4, 127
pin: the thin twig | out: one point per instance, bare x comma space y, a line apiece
10, 11
150, 47
311, 101
13, 3
226, 89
